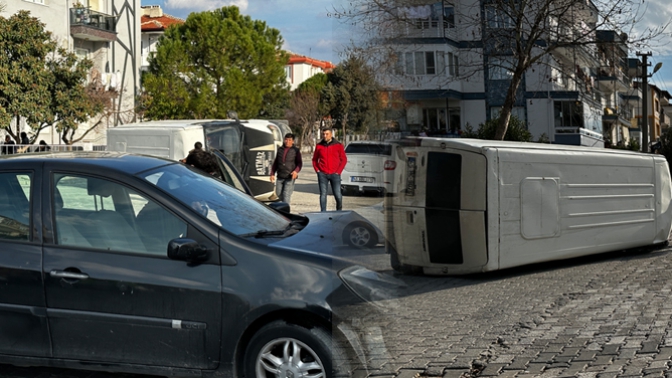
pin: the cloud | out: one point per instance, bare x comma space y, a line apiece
205, 4
648, 16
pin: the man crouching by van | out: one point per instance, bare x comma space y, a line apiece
329, 160
287, 164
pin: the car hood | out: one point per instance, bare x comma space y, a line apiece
323, 234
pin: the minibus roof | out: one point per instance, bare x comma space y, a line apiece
478, 145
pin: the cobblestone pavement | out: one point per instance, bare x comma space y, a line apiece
601, 316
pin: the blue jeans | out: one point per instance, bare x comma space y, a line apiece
335, 181
284, 189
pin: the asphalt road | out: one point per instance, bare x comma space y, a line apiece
602, 316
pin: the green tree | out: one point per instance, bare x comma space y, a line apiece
71, 100
24, 79
306, 108
217, 61
352, 95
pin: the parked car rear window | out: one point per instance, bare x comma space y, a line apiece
369, 148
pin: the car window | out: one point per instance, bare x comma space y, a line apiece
15, 206
216, 201
369, 148
96, 213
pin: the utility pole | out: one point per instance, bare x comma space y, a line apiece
645, 99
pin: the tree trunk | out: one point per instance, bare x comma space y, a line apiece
505, 114
18, 130
344, 121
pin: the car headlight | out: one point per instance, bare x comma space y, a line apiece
376, 288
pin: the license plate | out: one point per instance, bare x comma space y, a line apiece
361, 179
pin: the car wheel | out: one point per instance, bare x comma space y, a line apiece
360, 235
280, 349
345, 191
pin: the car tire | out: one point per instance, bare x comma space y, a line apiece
317, 351
345, 191
360, 235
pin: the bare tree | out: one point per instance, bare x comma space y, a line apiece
504, 37
304, 113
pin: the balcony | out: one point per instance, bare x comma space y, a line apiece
578, 136
612, 79
622, 116
92, 26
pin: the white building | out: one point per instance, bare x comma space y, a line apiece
451, 71
105, 31
153, 24
300, 68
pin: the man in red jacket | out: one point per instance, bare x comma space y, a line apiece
329, 160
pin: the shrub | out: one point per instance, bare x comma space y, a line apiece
516, 132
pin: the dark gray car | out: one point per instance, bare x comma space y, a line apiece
130, 263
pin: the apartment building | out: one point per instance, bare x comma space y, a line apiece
105, 31
452, 70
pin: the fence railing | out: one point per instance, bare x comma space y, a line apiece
9, 149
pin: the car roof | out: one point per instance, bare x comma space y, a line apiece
115, 161
367, 142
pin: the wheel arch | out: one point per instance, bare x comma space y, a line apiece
299, 317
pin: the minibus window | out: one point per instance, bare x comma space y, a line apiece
227, 139
444, 180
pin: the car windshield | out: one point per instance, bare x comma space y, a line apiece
369, 148
220, 203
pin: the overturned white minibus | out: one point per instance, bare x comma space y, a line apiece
469, 205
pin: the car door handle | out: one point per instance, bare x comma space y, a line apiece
70, 275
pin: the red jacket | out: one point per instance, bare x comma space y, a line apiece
329, 158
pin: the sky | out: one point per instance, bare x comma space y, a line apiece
308, 30
304, 24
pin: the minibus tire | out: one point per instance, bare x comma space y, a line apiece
410, 270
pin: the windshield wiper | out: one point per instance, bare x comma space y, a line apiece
292, 228
264, 233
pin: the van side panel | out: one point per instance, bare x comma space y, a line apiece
561, 204
170, 143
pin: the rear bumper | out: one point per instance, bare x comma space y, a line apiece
365, 188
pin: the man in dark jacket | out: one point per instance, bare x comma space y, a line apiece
287, 165
329, 160
9, 147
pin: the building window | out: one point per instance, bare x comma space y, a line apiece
427, 63
430, 67
82, 53
497, 18
568, 114
453, 66
500, 68
448, 17
289, 73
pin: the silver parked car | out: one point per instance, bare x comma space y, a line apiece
370, 168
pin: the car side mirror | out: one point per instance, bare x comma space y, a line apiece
186, 250
280, 206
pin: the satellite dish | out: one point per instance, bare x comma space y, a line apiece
657, 67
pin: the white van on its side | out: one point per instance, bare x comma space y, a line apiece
250, 145
467, 205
